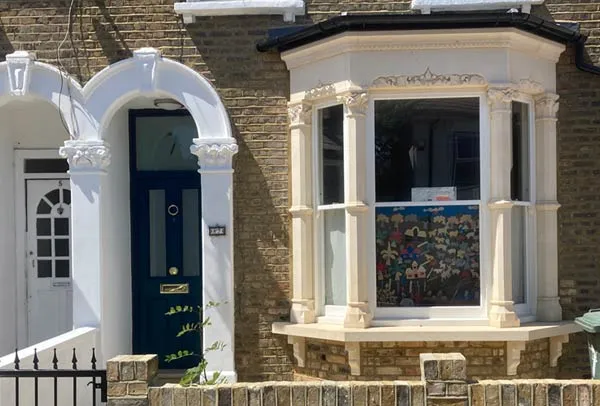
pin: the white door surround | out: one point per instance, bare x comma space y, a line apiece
88, 111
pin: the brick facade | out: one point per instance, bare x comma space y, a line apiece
388, 361
254, 88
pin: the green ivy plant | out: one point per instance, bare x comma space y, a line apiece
197, 374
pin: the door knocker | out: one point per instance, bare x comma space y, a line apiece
173, 210
173, 271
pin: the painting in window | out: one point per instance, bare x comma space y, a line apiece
427, 256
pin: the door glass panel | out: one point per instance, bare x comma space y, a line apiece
43, 226
62, 268
44, 248
61, 226
163, 143
43, 207
61, 248
191, 232
158, 254
44, 268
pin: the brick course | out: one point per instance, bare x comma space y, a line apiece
254, 88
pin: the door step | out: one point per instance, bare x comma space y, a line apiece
168, 376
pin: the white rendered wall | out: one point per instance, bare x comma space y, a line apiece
116, 245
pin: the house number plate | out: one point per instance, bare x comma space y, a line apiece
217, 231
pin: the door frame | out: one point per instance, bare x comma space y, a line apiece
22, 304
134, 181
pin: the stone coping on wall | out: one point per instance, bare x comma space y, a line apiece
457, 332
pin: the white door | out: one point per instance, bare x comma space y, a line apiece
49, 290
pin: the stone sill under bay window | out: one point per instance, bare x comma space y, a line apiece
493, 72
191, 9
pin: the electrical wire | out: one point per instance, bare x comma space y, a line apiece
64, 73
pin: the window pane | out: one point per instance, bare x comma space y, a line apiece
46, 165
61, 247
331, 141
43, 226
158, 239
61, 226
427, 256
519, 253
163, 143
44, 268
62, 268
334, 255
44, 248
519, 175
427, 149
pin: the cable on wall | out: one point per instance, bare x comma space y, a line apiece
64, 74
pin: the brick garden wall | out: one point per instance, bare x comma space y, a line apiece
254, 88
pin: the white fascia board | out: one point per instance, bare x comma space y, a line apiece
427, 6
195, 8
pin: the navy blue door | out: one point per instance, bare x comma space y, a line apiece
166, 236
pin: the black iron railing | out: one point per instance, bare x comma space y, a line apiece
24, 377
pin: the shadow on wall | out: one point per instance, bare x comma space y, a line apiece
114, 46
6, 46
254, 88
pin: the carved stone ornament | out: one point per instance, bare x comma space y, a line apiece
147, 59
500, 98
353, 351
513, 356
429, 79
86, 156
320, 91
355, 102
531, 87
19, 71
300, 114
214, 156
546, 106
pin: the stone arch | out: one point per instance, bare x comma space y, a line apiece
148, 73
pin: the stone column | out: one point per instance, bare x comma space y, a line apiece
214, 159
88, 160
548, 306
303, 303
358, 314
501, 313
128, 379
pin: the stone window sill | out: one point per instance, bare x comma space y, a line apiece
515, 338
426, 6
190, 9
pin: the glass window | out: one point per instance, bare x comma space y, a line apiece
163, 143
331, 145
427, 243
427, 149
519, 174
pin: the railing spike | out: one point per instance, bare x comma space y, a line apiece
74, 359
17, 360
54, 360
36, 360
93, 358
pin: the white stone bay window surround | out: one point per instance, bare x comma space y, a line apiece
423, 188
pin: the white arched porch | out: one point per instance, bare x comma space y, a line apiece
102, 298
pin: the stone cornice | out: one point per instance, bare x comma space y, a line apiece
86, 156
215, 156
320, 91
429, 79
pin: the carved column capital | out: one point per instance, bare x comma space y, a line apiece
500, 98
214, 155
86, 156
546, 106
300, 114
356, 103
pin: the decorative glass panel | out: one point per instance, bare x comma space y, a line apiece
334, 255
331, 140
46, 165
62, 268
66, 196
158, 253
44, 268
44, 248
43, 226
163, 143
428, 256
427, 149
61, 247
519, 175
519, 253
191, 232
53, 196
61, 226
43, 207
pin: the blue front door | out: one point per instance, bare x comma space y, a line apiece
166, 243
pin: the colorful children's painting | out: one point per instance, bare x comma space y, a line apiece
428, 256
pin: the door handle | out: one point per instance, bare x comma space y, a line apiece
173, 271
174, 288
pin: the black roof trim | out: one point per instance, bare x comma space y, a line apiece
289, 39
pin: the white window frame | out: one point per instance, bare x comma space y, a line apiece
325, 313
434, 314
526, 311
